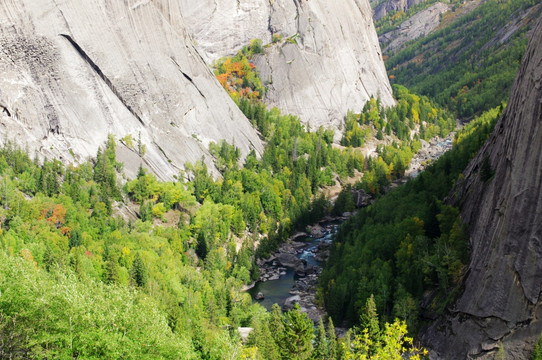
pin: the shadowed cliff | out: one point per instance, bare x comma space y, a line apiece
501, 201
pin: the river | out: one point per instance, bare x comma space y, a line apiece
295, 281
281, 283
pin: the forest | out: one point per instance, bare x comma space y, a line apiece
94, 265
169, 282
406, 243
169, 279
467, 66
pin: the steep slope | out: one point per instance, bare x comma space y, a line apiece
389, 6
328, 62
74, 71
420, 24
468, 63
501, 297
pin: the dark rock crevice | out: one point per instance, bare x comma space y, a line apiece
5, 110
187, 77
102, 76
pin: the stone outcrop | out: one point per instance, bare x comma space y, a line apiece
74, 71
501, 300
418, 25
393, 5
328, 61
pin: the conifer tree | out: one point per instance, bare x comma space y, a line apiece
139, 272
332, 340
112, 270
298, 333
321, 349
76, 264
276, 323
369, 321
262, 338
201, 247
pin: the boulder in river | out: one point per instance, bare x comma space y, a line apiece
259, 296
290, 302
317, 231
288, 260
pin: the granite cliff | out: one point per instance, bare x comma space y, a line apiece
501, 202
74, 71
328, 61
389, 6
414, 27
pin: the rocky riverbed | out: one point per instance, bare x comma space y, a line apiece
297, 264
290, 275
429, 152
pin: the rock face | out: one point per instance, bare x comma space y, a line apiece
328, 62
393, 5
74, 71
418, 25
222, 27
501, 299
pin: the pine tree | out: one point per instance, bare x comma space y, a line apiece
48, 258
486, 172
140, 171
321, 349
298, 334
77, 263
262, 338
276, 323
139, 272
75, 238
145, 211
112, 270
201, 247
379, 135
332, 340
369, 321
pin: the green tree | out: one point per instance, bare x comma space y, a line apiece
321, 346
262, 338
537, 352
486, 171
332, 340
139, 272
369, 322
201, 247
112, 275
276, 322
395, 345
298, 333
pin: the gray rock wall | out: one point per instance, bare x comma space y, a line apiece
501, 298
332, 64
418, 25
74, 71
393, 5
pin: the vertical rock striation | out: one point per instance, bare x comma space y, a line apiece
74, 71
328, 62
501, 300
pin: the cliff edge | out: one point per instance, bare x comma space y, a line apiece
327, 62
74, 71
500, 304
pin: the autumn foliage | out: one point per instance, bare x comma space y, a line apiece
238, 76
